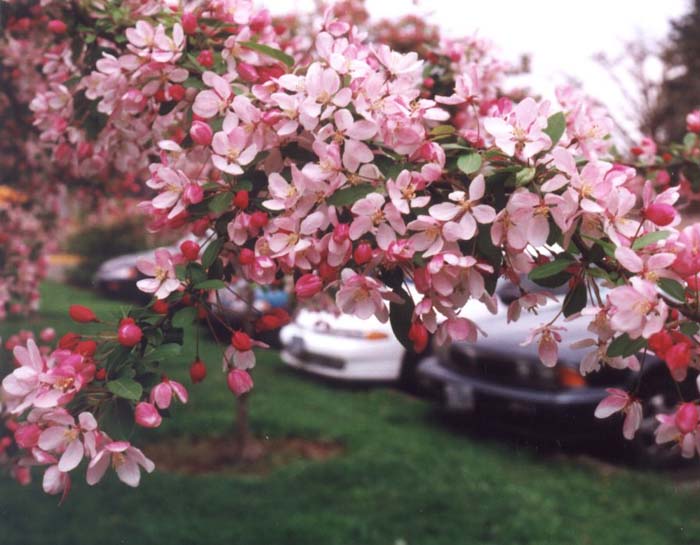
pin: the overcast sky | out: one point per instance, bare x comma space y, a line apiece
561, 36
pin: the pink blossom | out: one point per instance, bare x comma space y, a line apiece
637, 309
164, 280
463, 213
620, 401
548, 344
162, 393
521, 135
232, 150
71, 440
124, 458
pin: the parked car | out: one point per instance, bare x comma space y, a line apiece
348, 348
117, 277
505, 384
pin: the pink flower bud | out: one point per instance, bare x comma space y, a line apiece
239, 381
189, 22
201, 133
246, 257
677, 358
660, 214
129, 334
193, 194
147, 415
47, 334
686, 418
418, 334
341, 233
57, 26
198, 371
247, 72
363, 253
692, 121
27, 435
307, 286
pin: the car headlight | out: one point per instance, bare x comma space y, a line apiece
121, 273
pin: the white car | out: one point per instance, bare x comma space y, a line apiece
349, 348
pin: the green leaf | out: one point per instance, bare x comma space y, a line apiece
270, 52
650, 238
126, 388
220, 202
164, 352
575, 300
442, 130
213, 284
690, 328
212, 252
689, 141
550, 269
400, 315
672, 288
469, 163
556, 125
195, 83
624, 346
524, 176
184, 317
350, 195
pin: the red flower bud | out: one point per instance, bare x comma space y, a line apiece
129, 334
101, 374
429, 83
190, 250
189, 22
328, 273
201, 133
176, 92
275, 319
206, 59
57, 26
418, 334
246, 257
686, 418
86, 348
198, 371
241, 341
239, 381
241, 200
81, 314
661, 214
362, 253
307, 286
159, 307
247, 72
147, 415
677, 358
200, 226
258, 219
660, 342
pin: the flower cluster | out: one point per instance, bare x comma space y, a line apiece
355, 169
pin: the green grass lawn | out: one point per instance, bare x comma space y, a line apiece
403, 477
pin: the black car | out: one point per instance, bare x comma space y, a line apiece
504, 383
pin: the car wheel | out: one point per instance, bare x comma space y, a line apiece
408, 378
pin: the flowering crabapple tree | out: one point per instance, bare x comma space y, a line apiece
316, 152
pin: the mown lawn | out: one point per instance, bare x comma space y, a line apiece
403, 478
